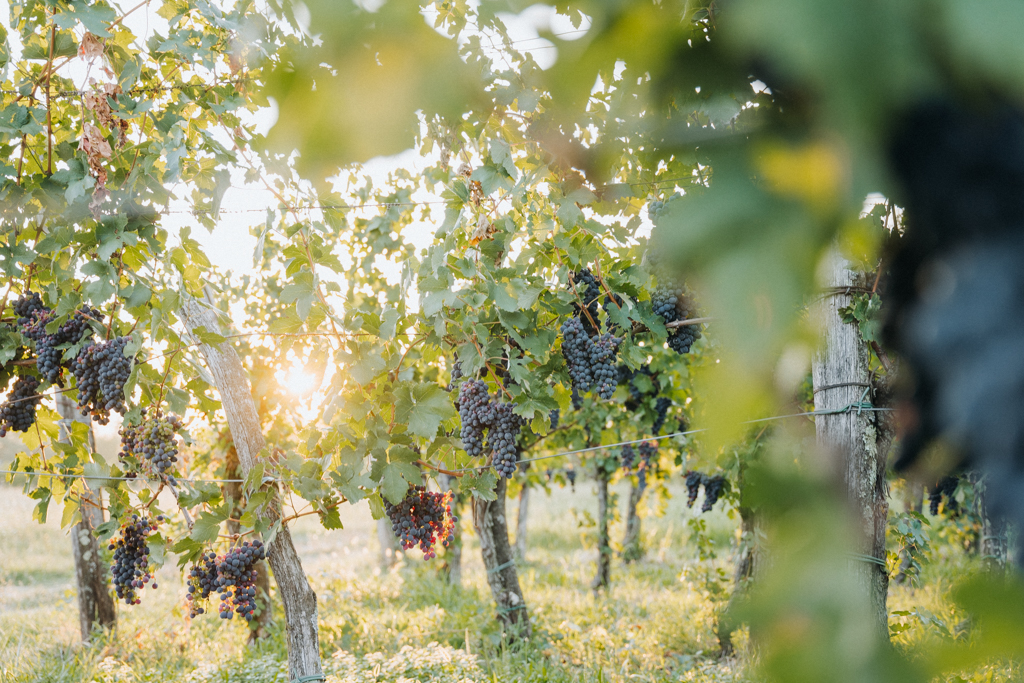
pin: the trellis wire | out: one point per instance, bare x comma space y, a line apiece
858, 406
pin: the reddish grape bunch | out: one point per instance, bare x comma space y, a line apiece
423, 518
202, 581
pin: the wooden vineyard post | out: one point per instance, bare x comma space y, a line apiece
95, 602
299, 600
855, 439
492, 530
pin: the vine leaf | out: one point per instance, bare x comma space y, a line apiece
423, 406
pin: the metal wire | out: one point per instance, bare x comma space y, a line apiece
859, 406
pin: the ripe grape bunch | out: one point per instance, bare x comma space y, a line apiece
152, 442
590, 360
714, 487
49, 354
26, 305
661, 407
501, 439
101, 371
423, 518
694, 480
131, 570
479, 412
628, 457
202, 581
475, 411
18, 413
648, 454
236, 580
672, 303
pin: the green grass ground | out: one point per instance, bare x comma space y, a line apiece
654, 624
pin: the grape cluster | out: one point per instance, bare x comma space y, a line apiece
586, 288
456, 375
49, 354
672, 303
152, 442
202, 581
694, 480
648, 453
590, 360
944, 488
570, 474
18, 412
655, 210
101, 371
555, 415
603, 350
422, 518
479, 412
501, 439
236, 580
131, 570
714, 487
661, 407
628, 457
26, 305
475, 412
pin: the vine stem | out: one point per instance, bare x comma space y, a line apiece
167, 371
490, 369
435, 468
604, 286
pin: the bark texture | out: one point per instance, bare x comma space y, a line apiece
521, 522
95, 601
260, 626
604, 548
299, 600
632, 543
858, 441
994, 540
452, 564
502, 577
745, 569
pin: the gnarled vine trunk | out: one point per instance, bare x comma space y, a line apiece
95, 602
502, 577
745, 569
632, 542
994, 541
299, 600
260, 626
858, 440
604, 549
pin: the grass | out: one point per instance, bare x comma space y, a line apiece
654, 624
